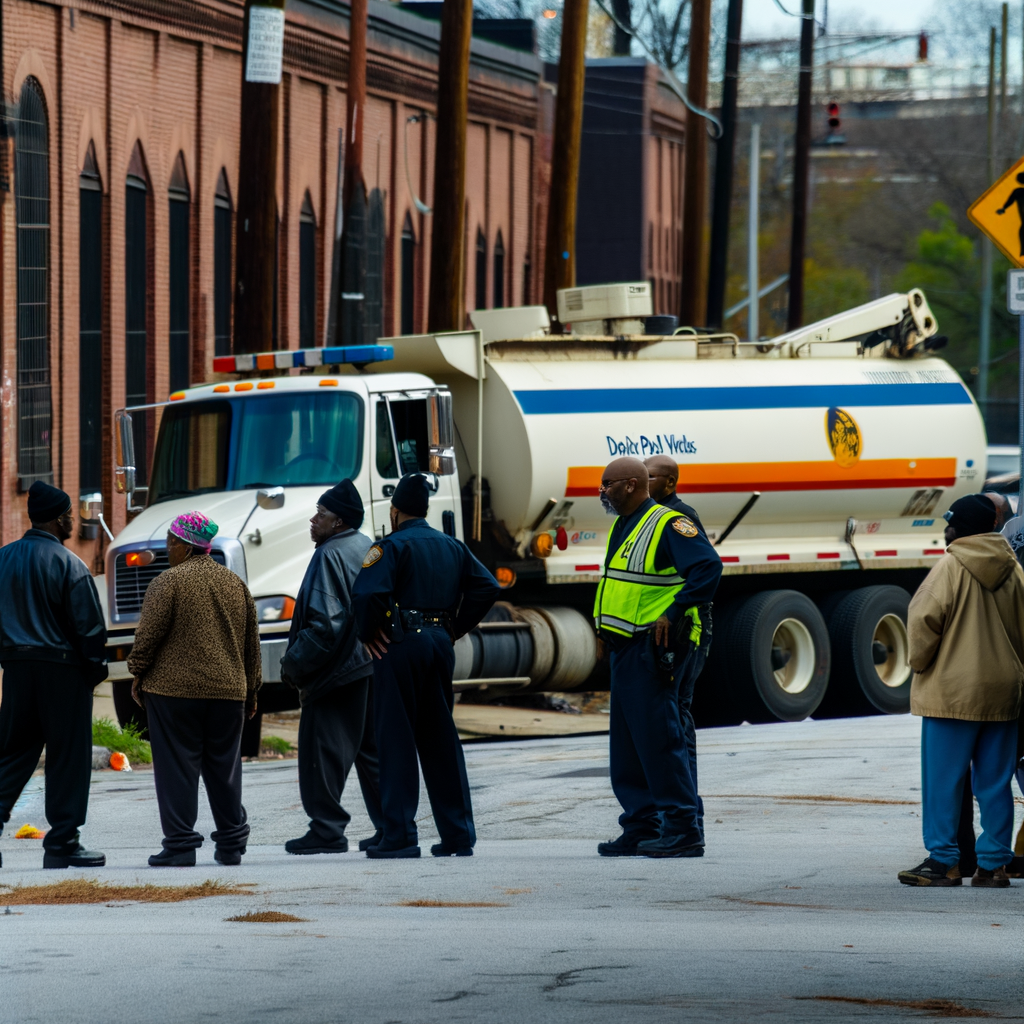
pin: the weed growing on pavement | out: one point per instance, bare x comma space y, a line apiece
277, 745
89, 890
265, 917
128, 741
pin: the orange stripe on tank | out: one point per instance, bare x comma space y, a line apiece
710, 478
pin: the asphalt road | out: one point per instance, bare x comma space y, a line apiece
794, 911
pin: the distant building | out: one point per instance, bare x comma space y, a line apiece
117, 205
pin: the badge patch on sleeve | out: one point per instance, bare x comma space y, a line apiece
685, 526
372, 556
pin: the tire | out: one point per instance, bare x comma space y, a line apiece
859, 686
777, 656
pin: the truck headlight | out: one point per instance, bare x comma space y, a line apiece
274, 609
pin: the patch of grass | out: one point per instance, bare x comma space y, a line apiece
444, 903
89, 890
106, 733
266, 917
277, 745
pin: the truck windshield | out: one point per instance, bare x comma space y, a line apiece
289, 439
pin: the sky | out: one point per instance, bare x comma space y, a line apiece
763, 18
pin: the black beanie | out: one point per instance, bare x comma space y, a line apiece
46, 502
344, 501
412, 495
972, 514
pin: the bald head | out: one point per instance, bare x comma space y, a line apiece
624, 486
664, 475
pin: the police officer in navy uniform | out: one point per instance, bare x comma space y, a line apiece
659, 570
418, 591
663, 476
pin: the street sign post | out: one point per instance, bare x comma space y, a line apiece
999, 212
1014, 529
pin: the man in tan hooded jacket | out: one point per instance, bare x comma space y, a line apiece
966, 626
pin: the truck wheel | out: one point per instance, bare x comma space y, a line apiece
777, 656
868, 630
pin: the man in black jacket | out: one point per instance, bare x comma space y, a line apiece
52, 640
333, 674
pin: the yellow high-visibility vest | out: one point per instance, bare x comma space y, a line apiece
633, 594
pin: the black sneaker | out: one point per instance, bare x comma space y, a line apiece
670, 846
442, 850
385, 851
624, 846
229, 858
932, 872
79, 858
312, 843
375, 840
997, 878
173, 859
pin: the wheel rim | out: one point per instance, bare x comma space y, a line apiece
891, 633
794, 639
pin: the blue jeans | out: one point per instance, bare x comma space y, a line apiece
949, 747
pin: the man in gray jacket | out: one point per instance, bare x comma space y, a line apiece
333, 674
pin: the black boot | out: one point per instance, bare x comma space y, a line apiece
444, 850
386, 851
79, 857
173, 859
624, 846
312, 843
670, 846
375, 840
230, 858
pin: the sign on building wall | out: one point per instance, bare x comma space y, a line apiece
266, 45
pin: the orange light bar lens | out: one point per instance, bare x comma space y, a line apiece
328, 383
505, 576
221, 388
542, 545
265, 362
264, 384
244, 386
177, 396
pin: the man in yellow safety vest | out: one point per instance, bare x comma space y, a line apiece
658, 569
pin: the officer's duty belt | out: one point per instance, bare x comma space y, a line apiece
415, 618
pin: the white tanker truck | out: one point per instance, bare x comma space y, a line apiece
820, 463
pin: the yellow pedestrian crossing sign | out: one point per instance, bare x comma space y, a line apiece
999, 212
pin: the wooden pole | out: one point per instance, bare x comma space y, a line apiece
353, 241
694, 266
560, 253
447, 241
801, 171
256, 218
985, 327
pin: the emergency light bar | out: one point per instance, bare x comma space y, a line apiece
303, 357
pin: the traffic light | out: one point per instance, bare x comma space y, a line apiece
834, 138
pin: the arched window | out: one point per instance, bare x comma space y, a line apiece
408, 277
32, 205
179, 203
136, 333
307, 274
90, 327
499, 272
373, 308
481, 270
222, 267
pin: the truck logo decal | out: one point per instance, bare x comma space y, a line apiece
566, 402
824, 475
660, 444
843, 437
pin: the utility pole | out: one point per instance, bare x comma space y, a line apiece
801, 170
753, 217
985, 327
353, 238
447, 241
560, 253
622, 9
256, 219
692, 294
719, 259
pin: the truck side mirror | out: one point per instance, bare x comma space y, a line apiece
270, 497
90, 507
442, 434
124, 442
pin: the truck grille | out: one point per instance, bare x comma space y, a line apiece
131, 583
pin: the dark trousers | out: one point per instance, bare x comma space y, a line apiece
335, 732
650, 766
412, 696
691, 672
46, 704
193, 737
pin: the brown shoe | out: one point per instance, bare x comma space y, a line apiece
995, 879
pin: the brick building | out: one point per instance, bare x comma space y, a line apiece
116, 204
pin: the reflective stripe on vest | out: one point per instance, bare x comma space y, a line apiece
632, 593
